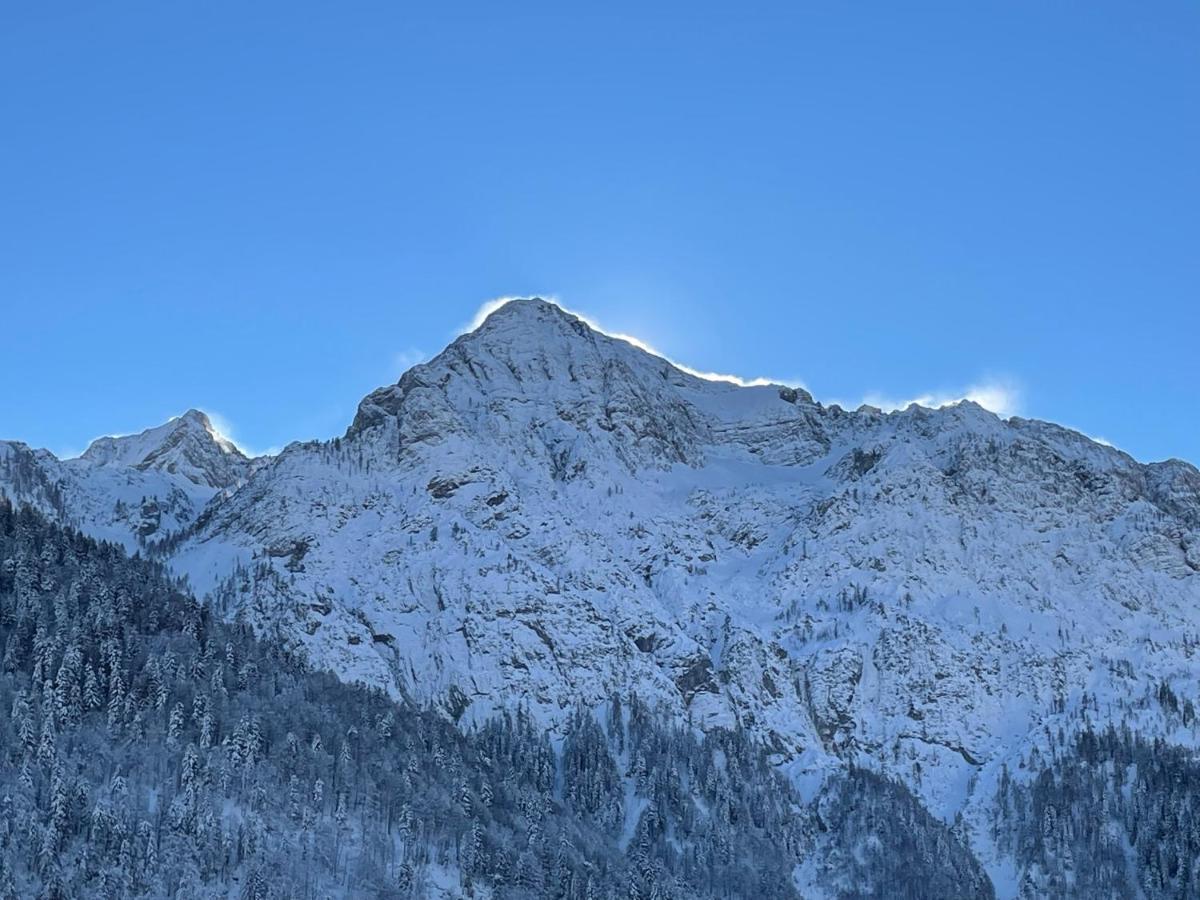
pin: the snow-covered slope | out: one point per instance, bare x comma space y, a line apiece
544, 514
132, 489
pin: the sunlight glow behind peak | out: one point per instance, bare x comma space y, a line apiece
492, 305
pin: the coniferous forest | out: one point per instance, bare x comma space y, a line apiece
1112, 815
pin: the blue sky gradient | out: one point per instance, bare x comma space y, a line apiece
266, 210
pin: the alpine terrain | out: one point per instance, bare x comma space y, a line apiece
957, 652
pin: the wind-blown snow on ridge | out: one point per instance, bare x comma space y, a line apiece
546, 515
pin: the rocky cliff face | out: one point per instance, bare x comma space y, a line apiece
545, 515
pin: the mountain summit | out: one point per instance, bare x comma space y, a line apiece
537, 377
186, 445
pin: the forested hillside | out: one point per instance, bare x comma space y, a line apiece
153, 751
1112, 815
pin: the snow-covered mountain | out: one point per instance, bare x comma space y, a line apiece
188, 446
132, 489
544, 515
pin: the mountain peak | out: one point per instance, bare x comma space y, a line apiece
523, 306
194, 417
530, 353
512, 340
529, 318
187, 445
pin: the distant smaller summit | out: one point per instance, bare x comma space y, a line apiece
131, 489
187, 445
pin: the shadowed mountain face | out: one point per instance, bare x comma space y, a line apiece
546, 515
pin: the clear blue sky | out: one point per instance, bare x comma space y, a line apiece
264, 209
